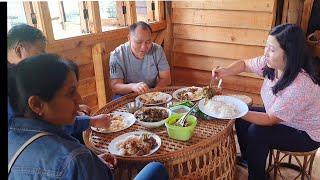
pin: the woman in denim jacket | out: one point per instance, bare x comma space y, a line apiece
43, 93
44, 97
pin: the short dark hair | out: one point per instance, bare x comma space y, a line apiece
143, 25
24, 33
292, 40
41, 75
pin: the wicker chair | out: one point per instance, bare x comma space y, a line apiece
304, 167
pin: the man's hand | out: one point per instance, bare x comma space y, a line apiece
109, 160
100, 121
84, 110
140, 87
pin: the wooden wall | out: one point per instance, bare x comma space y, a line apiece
216, 33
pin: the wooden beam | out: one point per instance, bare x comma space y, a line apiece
43, 19
221, 34
168, 40
131, 16
159, 11
28, 10
247, 5
87, 86
83, 22
91, 39
307, 8
94, 17
82, 56
295, 12
284, 18
62, 14
236, 19
150, 14
160, 37
222, 50
274, 12
100, 72
205, 63
120, 16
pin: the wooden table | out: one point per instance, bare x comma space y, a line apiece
209, 154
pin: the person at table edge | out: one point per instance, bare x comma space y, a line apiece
139, 64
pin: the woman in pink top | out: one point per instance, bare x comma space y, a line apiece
290, 119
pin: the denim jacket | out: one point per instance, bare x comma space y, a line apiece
57, 156
81, 122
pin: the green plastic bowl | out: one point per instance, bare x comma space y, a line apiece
178, 132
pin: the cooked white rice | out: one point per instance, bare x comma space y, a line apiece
221, 109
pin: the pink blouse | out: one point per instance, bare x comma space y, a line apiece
298, 105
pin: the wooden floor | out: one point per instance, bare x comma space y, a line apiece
242, 173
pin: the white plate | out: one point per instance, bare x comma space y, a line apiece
113, 149
175, 93
128, 120
241, 107
152, 124
157, 96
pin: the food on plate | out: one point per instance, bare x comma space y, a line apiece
137, 145
152, 114
152, 98
190, 93
117, 123
222, 109
183, 103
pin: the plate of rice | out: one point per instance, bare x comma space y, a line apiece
224, 107
119, 122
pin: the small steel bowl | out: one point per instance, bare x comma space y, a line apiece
132, 107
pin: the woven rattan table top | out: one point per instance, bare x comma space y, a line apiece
206, 132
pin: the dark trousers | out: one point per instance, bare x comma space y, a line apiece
255, 141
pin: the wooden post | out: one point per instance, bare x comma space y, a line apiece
131, 16
28, 10
94, 17
285, 11
307, 8
43, 19
159, 11
83, 21
160, 37
98, 53
295, 11
274, 12
62, 15
99, 63
168, 41
150, 15
120, 16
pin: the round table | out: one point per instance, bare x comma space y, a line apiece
209, 154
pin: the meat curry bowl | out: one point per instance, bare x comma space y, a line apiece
152, 117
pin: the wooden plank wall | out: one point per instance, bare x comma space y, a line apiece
81, 50
216, 33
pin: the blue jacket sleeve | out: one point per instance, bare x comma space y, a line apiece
86, 165
10, 113
81, 124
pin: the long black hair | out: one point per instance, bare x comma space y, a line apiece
42, 75
292, 40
